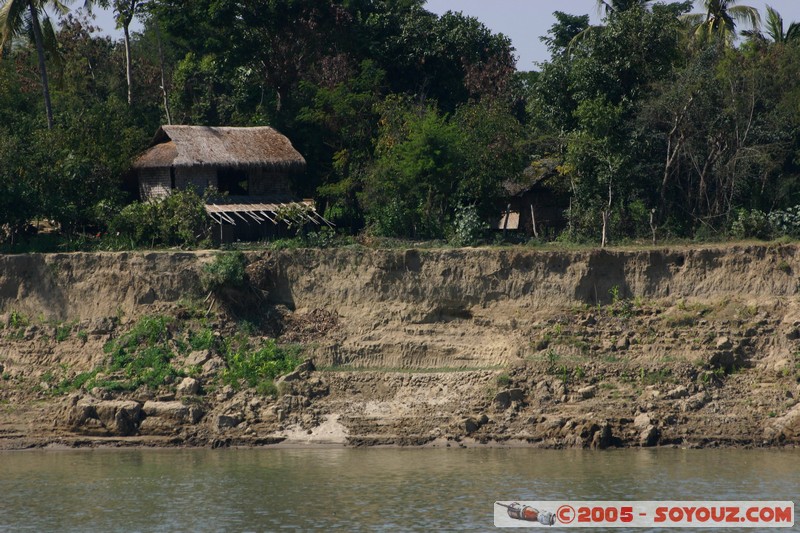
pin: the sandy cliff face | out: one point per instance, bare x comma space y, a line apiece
473, 307
409, 308
96, 285
584, 348
408, 285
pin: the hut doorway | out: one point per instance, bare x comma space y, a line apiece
232, 181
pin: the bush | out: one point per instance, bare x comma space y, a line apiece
324, 238
757, 224
392, 219
785, 223
226, 271
179, 219
468, 227
750, 224
202, 340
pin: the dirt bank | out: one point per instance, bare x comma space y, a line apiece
691, 347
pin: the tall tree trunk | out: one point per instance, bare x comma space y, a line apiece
37, 36
126, 33
163, 78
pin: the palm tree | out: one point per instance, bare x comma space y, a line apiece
18, 17
720, 20
774, 27
124, 13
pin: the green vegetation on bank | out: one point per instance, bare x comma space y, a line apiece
413, 125
152, 354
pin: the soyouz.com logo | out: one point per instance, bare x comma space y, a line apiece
739, 514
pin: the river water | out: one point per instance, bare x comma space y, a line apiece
358, 489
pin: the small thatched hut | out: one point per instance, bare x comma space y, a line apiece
533, 205
237, 161
250, 167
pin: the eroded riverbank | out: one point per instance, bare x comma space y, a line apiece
686, 347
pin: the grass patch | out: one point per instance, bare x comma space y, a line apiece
201, 340
257, 366
681, 320
72, 384
142, 356
18, 320
63, 331
654, 377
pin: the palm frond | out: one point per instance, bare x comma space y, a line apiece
774, 25
582, 36
59, 6
745, 14
13, 17
49, 39
793, 32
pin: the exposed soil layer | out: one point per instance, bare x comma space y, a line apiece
689, 347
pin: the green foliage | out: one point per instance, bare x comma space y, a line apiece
226, 271
403, 116
257, 366
503, 380
468, 227
178, 219
409, 191
325, 237
201, 340
428, 164
552, 358
78, 382
142, 356
785, 223
753, 223
750, 224
620, 306
654, 377
615, 294
63, 331
18, 320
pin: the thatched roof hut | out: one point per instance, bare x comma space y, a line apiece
532, 203
202, 146
249, 167
235, 161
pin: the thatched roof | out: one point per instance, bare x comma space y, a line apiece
533, 175
192, 146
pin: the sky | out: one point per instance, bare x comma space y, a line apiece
524, 21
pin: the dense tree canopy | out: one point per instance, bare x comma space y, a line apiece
656, 122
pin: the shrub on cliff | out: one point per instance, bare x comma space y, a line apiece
226, 271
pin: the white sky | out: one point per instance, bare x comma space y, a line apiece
524, 21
